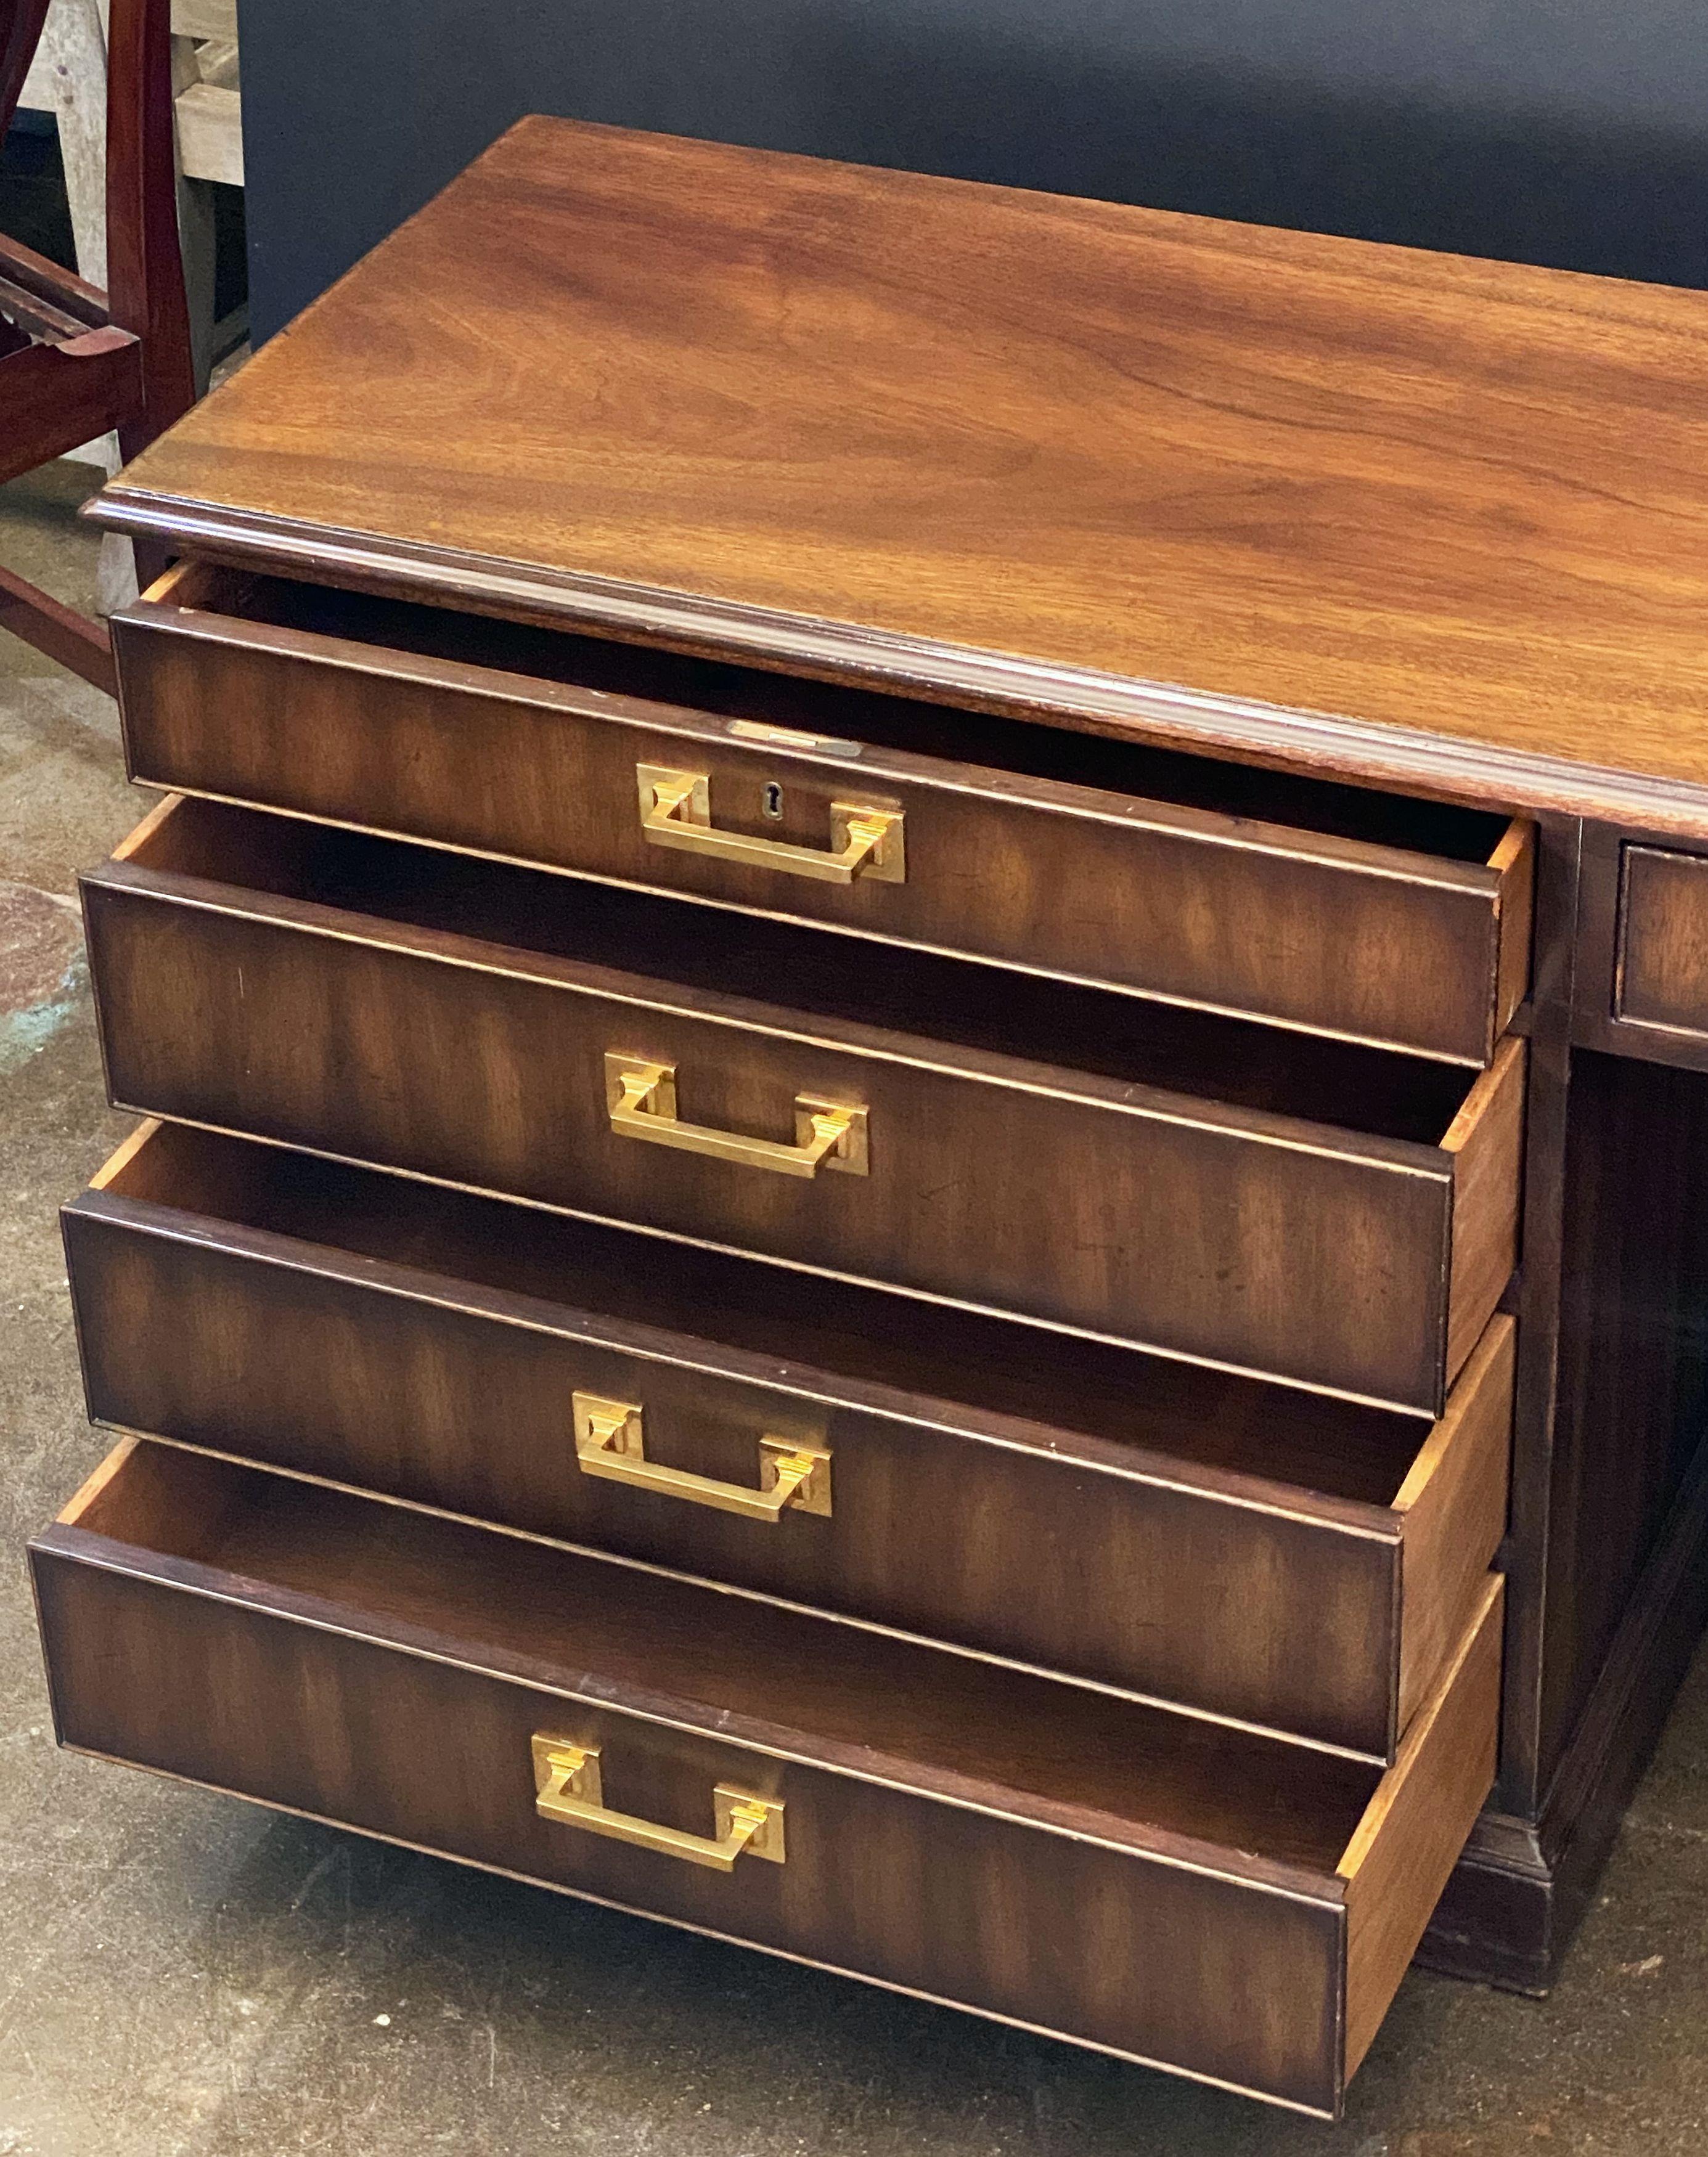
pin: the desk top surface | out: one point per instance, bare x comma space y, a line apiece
1425, 519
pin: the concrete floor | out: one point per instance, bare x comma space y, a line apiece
185, 1976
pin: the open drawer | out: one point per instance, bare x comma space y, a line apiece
1246, 1551
1385, 920
1242, 1909
1232, 1194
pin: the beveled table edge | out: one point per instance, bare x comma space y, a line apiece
1317, 744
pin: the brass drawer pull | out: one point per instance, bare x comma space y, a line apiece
566, 1778
642, 1098
610, 1443
676, 811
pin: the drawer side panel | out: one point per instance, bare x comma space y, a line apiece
1417, 1825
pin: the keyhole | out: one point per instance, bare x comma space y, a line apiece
771, 801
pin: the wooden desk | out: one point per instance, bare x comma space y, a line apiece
980, 918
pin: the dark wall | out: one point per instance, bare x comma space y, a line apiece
1573, 132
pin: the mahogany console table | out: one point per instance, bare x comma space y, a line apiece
923, 1013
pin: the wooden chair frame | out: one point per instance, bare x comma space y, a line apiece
74, 361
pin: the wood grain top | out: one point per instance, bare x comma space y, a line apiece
1427, 520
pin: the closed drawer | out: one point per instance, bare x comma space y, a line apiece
1224, 1905
1244, 1550
1661, 976
1302, 902
1266, 1200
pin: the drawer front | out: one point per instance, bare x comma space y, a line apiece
1275, 1607
1323, 1260
1268, 1974
1303, 927
1661, 977
1158, 1962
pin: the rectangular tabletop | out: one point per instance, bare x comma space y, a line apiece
1427, 520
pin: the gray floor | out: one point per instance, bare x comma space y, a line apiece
181, 1974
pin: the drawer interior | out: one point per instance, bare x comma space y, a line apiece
566, 1621
1245, 1065
751, 694
1179, 1411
